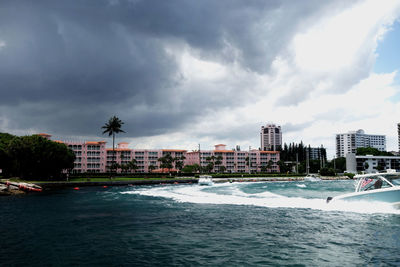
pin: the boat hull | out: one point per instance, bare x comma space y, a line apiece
206, 182
388, 195
312, 179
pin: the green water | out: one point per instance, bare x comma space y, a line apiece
232, 224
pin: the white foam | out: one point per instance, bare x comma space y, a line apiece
301, 185
234, 196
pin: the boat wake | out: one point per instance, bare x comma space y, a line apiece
233, 194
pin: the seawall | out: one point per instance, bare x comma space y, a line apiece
55, 185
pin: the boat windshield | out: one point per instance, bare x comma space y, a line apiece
395, 181
374, 183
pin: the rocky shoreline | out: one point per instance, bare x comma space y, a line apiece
17, 188
10, 190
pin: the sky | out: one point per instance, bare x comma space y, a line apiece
180, 73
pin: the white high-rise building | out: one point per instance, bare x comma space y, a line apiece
271, 137
398, 134
349, 142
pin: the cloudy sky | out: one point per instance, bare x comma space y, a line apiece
184, 72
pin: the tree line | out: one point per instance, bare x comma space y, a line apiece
293, 156
34, 157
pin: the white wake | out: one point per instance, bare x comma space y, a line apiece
231, 194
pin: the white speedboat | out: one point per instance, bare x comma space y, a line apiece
312, 178
375, 187
205, 180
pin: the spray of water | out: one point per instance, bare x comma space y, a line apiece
232, 194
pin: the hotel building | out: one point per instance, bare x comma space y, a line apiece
349, 142
235, 161
94, 157
271, 137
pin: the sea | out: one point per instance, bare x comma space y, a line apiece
227, 224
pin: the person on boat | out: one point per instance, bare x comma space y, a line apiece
378, 184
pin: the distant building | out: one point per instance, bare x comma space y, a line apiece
235, 161
90, 156
271, 137
349, 142
94, 157
371, 164
398, 135
317, 153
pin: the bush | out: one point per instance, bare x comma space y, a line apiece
350, 175
327, 172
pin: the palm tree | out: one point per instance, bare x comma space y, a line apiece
269, 165
218, 162
152, 168
179, 162
166, 161
112, 127
132, 165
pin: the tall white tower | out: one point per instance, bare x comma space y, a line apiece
398, 134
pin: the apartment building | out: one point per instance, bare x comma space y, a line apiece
90, 156
271, 137
371, 164
94, 157
236, 161
398, 135
349, 142
317, 153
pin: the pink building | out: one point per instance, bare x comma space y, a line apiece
146, 159
94, 157
236, 161
90, 156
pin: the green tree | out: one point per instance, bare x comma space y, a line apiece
283, 167
5, 161
112, 127
269, 165
371, 151
338, 163
218, 162
366, 165
211, 164
327, 171
264, 168
124, 168
222, 168
39, 158
381, 165
152, 168
191, 168
132, 165
166, 161
179, 162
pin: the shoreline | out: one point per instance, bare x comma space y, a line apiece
178, 180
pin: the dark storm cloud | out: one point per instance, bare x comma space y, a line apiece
67, 66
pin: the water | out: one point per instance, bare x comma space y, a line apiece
232, 224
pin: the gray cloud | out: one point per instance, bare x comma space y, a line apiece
290, 127
67, 66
